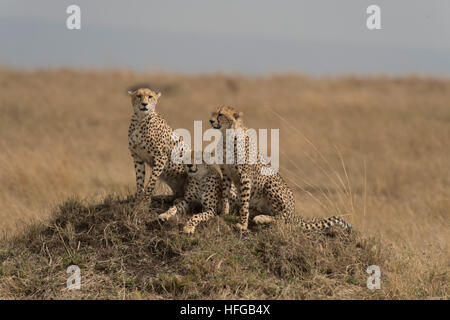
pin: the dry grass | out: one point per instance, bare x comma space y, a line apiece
374, 149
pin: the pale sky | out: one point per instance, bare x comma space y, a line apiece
247, 36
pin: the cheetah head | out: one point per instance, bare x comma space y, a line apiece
226, 118
196, 170
144, 100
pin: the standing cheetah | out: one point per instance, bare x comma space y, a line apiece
150, 141
268, 194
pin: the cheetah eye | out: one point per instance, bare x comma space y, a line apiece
139, 96
150, 97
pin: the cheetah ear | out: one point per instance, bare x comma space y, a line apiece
131, 92
158, 94
238, 115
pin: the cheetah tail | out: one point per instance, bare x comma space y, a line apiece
326, 223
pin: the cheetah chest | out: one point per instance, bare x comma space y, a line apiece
206, 192
138, 147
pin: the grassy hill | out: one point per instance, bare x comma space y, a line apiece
124, 253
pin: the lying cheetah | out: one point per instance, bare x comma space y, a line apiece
150, 141
204, 186
268, 194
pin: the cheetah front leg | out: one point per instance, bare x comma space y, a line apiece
181, 207
196, 219
244, 192
159, 164
226, 189
139, 168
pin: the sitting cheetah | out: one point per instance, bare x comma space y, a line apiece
150, 140
204, 186
268, 194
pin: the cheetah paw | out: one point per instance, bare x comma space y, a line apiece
189, 229
241, 227
262, 219
165, 216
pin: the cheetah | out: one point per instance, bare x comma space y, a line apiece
151, 141
204, 186
268, 194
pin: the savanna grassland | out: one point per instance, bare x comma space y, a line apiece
372, 149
